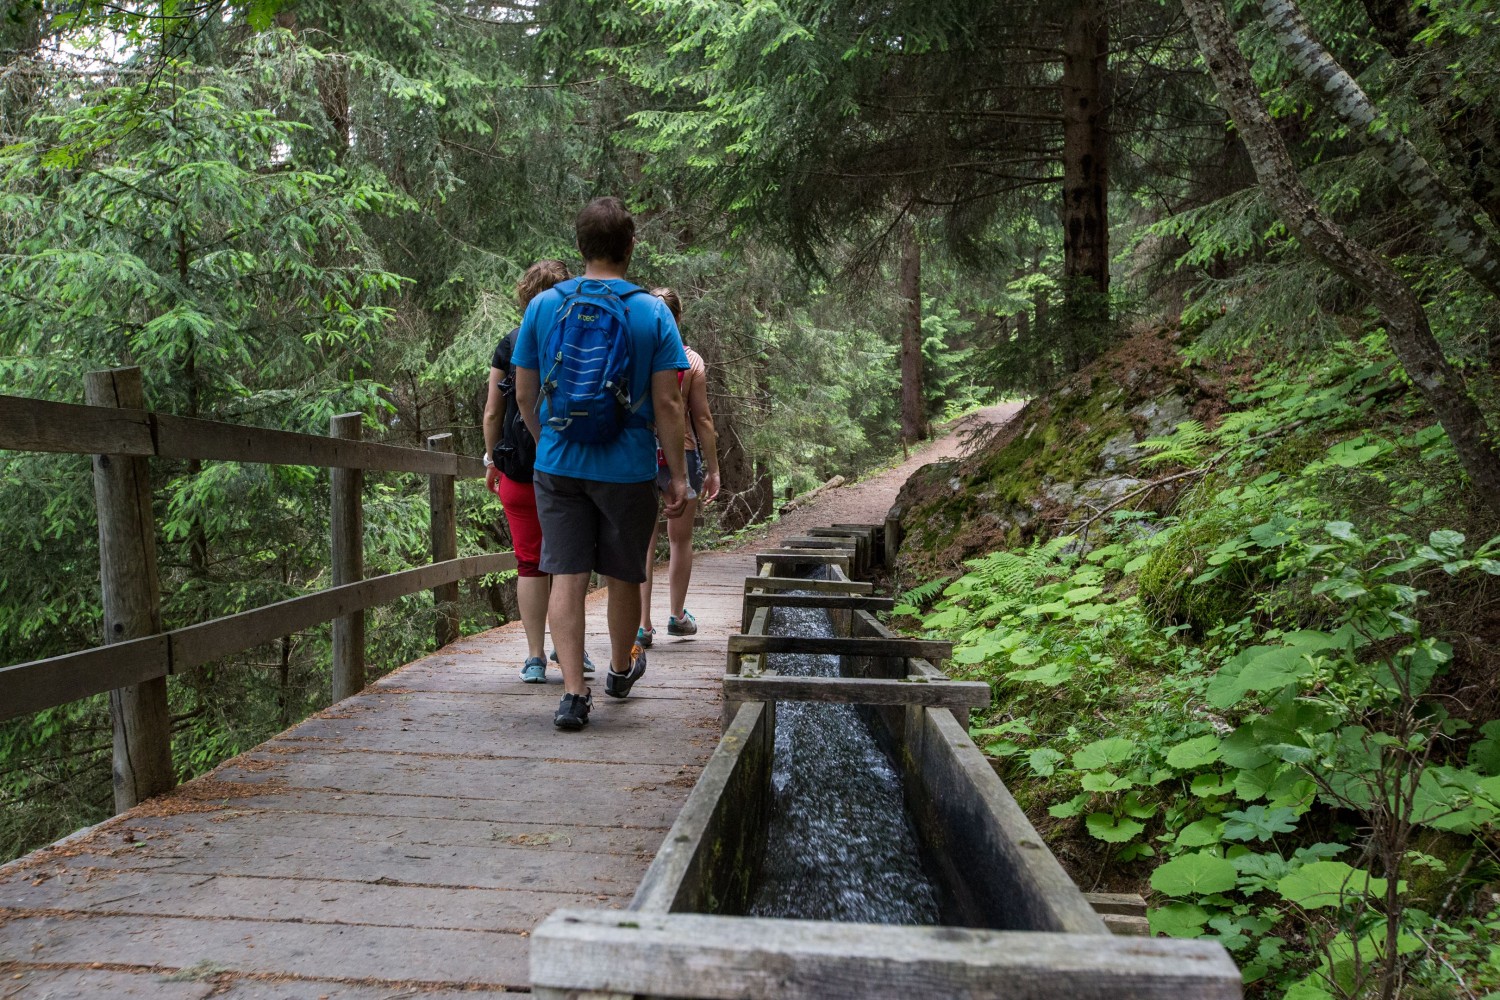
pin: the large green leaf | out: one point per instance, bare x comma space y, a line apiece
1329, 883
1102, 753
1194, 753
1183, 920
1112, 829
1194, 875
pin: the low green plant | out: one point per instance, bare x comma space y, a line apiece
1293, 777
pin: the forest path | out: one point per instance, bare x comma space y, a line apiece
404, 842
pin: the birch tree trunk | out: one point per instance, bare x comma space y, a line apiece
1411, 339
1452, 221
913, 396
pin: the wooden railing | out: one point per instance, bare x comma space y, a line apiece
138, 655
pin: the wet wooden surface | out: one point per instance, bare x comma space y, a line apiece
403, 843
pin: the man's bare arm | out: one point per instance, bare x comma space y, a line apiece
528, 388
666, 401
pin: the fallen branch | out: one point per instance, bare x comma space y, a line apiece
796, 502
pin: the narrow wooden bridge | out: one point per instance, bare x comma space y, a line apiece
405, 842
411, 839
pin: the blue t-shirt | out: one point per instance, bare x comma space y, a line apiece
655, 346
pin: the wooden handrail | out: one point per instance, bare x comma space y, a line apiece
28, 424
121, 433
39, 684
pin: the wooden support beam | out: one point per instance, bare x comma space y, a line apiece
132, 599
927, 649
826, 602
42, 425
32, 686
443, 508
781, 583
347, 521
808, 542
679, 955
957, 696
842, 558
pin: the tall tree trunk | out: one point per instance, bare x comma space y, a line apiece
1406, 324
1085, 211
1451, 221
913, 396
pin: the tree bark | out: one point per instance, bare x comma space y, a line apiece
1470, 133
1452, 222
1411, 339
1085, 75
913, 397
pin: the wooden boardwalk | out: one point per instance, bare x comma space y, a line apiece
402, 843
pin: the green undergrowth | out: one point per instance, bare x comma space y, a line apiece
1270, 705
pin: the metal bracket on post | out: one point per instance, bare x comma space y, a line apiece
132, 598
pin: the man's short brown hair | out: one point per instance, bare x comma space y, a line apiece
605, 230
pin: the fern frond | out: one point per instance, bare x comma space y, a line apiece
1184, 446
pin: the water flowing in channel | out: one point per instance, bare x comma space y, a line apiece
840, 846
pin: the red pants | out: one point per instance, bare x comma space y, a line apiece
519, 500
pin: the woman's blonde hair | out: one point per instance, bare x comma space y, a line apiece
538, 278
670, 298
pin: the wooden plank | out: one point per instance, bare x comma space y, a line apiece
31, 687
927, 649
780, 583
215, 441
1123, 903
680, 955
711, 857
442, 508
346, 519
958, 696
1119, 923
142, 724
804, 543
40, 684
839, 602
42, 425
199, 644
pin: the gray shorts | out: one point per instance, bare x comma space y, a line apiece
589, 526
694, 475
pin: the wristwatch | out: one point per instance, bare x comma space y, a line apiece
489, 463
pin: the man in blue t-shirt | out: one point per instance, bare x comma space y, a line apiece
597, 502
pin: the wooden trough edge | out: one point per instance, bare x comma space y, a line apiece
780, 583
687, 955
957, 696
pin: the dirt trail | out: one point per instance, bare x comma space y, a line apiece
867, 501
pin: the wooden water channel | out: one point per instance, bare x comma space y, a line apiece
432, 835
1019, 927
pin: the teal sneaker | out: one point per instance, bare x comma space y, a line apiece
535, 671
644, 637
588, 664
686, 625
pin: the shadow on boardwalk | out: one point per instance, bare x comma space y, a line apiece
405, 841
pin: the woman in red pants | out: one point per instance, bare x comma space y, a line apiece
509, 453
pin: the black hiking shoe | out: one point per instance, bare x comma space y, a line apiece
616, 684
573, 712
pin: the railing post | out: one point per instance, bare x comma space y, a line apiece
444, 541
346, 520
132, 598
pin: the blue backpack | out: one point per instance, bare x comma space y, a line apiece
585, 361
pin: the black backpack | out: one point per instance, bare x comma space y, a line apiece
515, 452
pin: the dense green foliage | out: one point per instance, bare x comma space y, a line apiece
1252, 657
1273, 704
